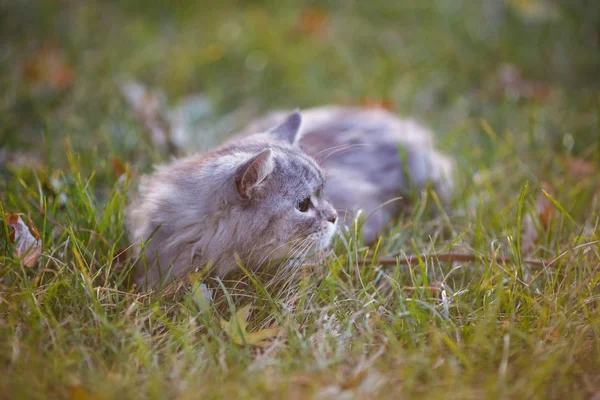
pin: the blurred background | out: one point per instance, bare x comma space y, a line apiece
85, 74
94, 93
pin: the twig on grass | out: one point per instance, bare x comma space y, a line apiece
447, 257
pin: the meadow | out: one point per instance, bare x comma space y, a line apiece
510, 88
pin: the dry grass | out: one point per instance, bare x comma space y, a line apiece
512, 92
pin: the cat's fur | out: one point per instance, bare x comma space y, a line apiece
370, 157
246, 201
237, 203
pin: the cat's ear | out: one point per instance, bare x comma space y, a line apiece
289, 130
253, 172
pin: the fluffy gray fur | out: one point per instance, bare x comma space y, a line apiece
244, 201
370, 157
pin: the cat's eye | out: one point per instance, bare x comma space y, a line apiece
303, 205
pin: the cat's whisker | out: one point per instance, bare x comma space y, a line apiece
297, 250
292, 242
330, 148
338, 149
290, 266
302, 256
294, 248
268, 256
293, 256
287, 267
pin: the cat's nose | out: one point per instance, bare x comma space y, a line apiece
332, 217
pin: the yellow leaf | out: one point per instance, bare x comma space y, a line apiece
539, 10
235, 328
258, 338
79, 393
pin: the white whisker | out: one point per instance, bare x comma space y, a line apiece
292, 263
292, 242
339, 148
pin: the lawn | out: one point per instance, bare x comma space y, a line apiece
511, 89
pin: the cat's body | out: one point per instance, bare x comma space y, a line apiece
262, 197
365, 153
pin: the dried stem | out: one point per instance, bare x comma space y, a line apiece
446, 257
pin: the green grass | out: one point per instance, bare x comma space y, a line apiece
69, 329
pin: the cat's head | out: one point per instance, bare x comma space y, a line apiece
259, 197
279, 192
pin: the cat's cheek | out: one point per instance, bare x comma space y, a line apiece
330, 232
326, 237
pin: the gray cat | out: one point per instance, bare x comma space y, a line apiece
276, 195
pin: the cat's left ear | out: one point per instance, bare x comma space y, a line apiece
251, 173
289, 130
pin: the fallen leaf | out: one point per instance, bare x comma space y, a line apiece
28, 245
117, 166
121, 256
174, 128
48, 68
18, 160
579, 168
310, 379
354, 380
544, 210
235, 328
543, 205
186, 117
535, 10
79, 393
362, 384
312, 21
513, 83
369, 102
149, 107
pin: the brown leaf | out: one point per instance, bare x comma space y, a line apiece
309, 379
312, 21
543, 205
361, 384
578, 168
513, 83
79, 393
121, 255
48, 68
544, 210
117, 166
172, 129
370, 102
150, 108
354, 380
235, 328
28, 245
